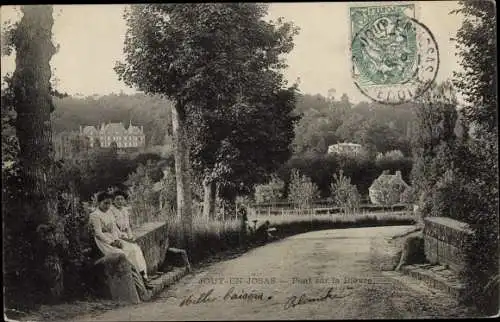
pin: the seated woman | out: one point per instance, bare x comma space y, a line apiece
122, 216
109, 238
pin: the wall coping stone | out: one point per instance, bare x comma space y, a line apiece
450, 223
146, 228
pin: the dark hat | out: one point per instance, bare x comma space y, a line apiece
103, 196
120, 193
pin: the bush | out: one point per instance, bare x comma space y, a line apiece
321, 167
387, 190
302, 191
270, 192
345, 194
142, 197
393, 155
168, 190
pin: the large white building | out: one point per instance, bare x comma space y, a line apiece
133, 137
346, 148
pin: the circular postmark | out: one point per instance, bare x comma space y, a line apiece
395, 59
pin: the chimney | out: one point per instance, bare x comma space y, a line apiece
398, 174
142, 128
81, 129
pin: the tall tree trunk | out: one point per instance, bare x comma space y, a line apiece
209, 193
33, 103
182, 172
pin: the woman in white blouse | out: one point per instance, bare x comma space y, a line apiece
110, 239
122, 214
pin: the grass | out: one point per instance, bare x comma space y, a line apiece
209, 237
213, 237
296, 224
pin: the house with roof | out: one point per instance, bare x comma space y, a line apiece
387, 189
346, 148
103, 136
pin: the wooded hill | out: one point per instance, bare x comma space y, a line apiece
324, 121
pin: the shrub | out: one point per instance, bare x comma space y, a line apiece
388, 189
392, 155
321, 167
345, 194
270, 192
168, 190
142, 197
209, 237
302, 191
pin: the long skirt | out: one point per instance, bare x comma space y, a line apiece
131, 250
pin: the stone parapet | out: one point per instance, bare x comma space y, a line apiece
152, 237
444, 241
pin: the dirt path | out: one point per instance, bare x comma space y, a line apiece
332, 274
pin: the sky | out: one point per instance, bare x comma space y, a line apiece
91, 41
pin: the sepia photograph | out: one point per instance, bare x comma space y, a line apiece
250, 161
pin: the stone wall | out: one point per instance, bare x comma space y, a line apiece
152, 237
117, 278
444, 241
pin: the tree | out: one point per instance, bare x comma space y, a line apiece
223, 84
174, 72
434, 138
271, 191
345, 194
476, 43
302, 191
247, 144
32, 100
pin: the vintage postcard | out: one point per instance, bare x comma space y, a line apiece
250, 161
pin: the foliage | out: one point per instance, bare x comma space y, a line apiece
270, 192
408, 196
434, 138
387, 189
168, 190
327, 121
143, 200
345, 194
389, 155
302, 191
321, 167
245, 121
10, 144
476, 43
77, 258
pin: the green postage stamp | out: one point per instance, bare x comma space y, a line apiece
394, 57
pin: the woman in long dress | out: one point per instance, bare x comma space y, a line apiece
108, 237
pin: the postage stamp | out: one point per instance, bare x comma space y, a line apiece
395, 58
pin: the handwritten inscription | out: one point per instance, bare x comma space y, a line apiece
230, 295
293, 301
